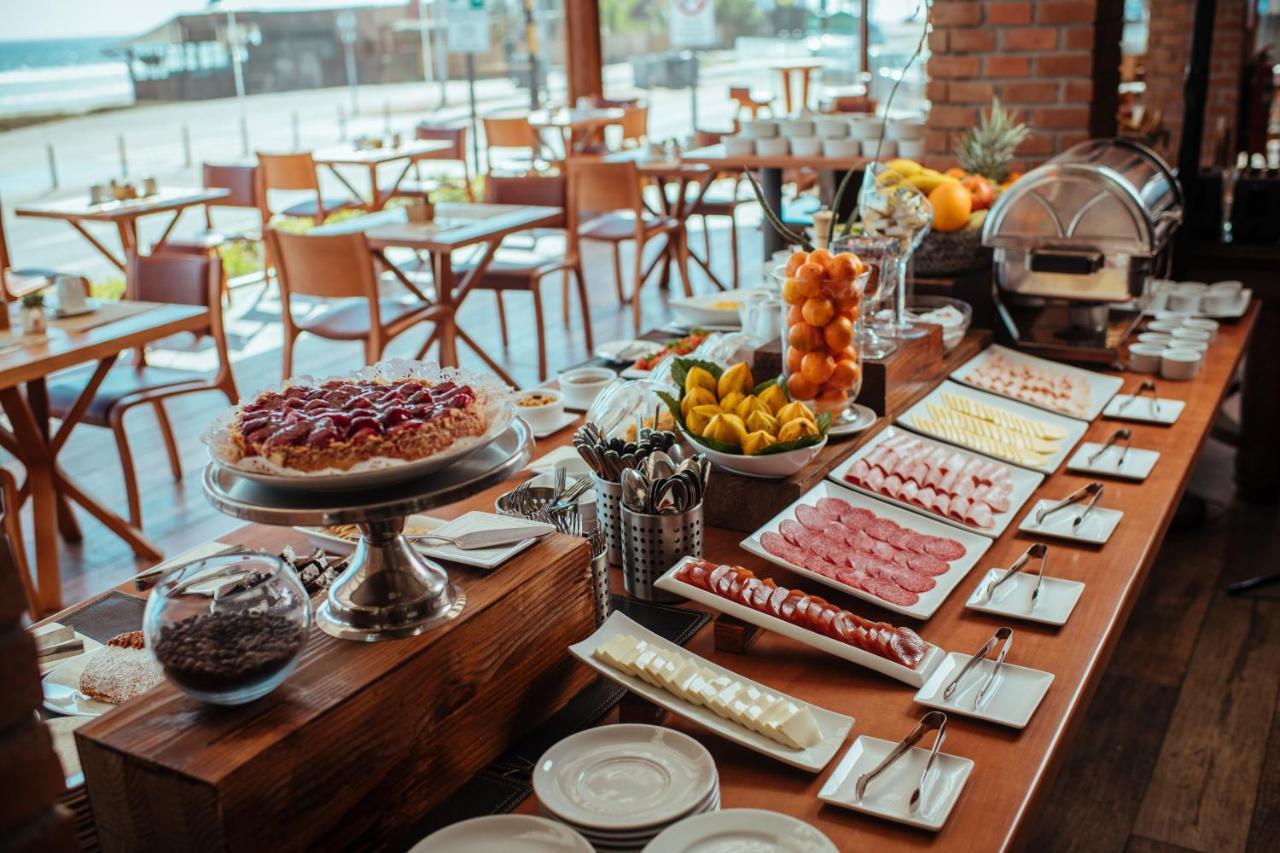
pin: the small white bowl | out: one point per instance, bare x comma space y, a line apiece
1186, 334
1183, 300
759, 129
1179, 364
911, 148
841, 148
775, 147
1145, 358
888, 148
1166, 326
1230, 286
1161, 338
1197, 346
1219, 302
581, 385
806, 146
1202, 324
794, 128
541, 408
831, 128
901, 128
1196, 287
864, 126
739, 146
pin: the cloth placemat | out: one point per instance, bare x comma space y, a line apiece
107, 312
114, 613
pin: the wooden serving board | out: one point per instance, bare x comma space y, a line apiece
363, 739
736, 502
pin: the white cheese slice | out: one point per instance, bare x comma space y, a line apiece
627, 659
801, 729
640, 666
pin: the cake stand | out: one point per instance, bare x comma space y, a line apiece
389, 590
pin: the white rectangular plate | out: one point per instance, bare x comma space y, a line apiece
1025, 481
914, 677
701, 310
1075, 429
889, 794
834, 727
975, 546
1053, 606
480, 558
1010, 701
1136, 466
1101, 386
1095, 530
1139, 409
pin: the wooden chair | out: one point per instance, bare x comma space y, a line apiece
717, 202
339, 266
179, 279
607, 205
525, 272
510, 133
455, 153
635, 125
296, 173
241, 180
16, 283
746, 101
12, 531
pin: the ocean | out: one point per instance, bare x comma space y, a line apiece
61, 75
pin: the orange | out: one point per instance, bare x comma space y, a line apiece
795, 314
794, 262
791, 292
846, 354
821, 257
844, 265
800, 388
844, 374
817, 366
955, 172
818, 312
810, 276
832, 399
849, 303
838, 334
952, 205
794, 358
804, 337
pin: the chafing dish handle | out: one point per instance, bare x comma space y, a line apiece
1066, 261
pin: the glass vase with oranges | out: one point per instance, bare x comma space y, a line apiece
822, 297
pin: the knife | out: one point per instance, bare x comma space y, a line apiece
493, 538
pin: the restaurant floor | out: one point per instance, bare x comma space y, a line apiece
1180, 749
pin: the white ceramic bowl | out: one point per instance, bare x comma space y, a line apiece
1161, 338
911, 148
899, 128
793, 128
774, 147
771, 466
1196, 346
541, 408
739, 146
1145, 358
760, 129
841, 148
1183, 300
1187, 334
1166, 326
831, 128
581, 385
1230, 286
864, 126
1219, 302
806, 146
1197, 287
1179, 364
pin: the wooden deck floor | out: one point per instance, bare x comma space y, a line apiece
1180, 749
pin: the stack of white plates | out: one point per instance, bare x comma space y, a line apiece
620, 786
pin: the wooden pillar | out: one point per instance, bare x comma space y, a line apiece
583, 59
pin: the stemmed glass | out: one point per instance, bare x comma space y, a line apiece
891, 207
879, 254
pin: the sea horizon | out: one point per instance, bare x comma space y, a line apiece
45, 76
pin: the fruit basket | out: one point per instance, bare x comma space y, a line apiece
951, 253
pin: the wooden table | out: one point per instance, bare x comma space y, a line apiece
47, 486
458, 226
789, 71
124, 215
770, 169
576, 128
1012, 769
370, 159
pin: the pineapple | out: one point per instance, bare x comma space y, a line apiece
987, 149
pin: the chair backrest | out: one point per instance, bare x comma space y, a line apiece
539, 190
741, 94
597, 187
240, 178
508, 132
4, 252
328, 266
183, 278
296, 171
456, 136
635, 122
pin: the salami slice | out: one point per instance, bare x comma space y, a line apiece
884, 551
781, 548
793, 531
821, 565
946, 549
927, 564
915, 542
882, 529
778, 596
830, 549
890, 592
833, 508
858, 513
810, 517
913, 581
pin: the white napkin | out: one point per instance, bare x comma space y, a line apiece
562, 457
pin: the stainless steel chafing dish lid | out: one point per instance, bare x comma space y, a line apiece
1112, 196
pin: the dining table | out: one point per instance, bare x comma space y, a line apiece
370, 159
26, 361
1012, 769
124, 215
793, 71
572, 128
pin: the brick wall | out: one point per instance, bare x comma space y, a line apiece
1055, 61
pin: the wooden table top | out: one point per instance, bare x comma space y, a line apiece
656, 167
349, 155
714, 155
1012, 769
62, 349
458, 224
79, 208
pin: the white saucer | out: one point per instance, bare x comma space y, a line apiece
1136, 466
515, 833
1053, 606
1010, 700
865, 418
62, 691
1095, 530
741, 830
566, 419
1140, 409
90, 305
610, 350
889, 794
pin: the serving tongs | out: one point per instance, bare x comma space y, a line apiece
1039, 550
1124, 434
1146, 386
1092, 491
1005, 634
931, 720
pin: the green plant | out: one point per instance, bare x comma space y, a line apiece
110, 289
33, 300
988, 149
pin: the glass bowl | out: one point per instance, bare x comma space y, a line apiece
953, 327
228, 629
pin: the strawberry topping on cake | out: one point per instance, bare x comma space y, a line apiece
341, 422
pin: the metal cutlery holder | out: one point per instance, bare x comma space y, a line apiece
601, 587
609, 516
651, 544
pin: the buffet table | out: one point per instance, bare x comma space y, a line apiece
1013, 769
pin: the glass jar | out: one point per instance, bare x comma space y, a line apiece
228, 629
822, 299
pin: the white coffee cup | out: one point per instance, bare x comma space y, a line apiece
1184, 300
1219, 302
1185, 334
71, 294
1145, 358
1229, 286
1179, 364
1161, 338
1202, 324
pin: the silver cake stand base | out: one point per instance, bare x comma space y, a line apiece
389, 590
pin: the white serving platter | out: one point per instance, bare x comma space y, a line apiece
702, 310
62, 691
633, 347
1010, 700
889, 794
1139, 409
512, 833
1137, 462
1058, 597
1101, 386
914, 677
975, 546
480, 558
741, 830
1095, 530
834, 727
1074, 428
1025, 482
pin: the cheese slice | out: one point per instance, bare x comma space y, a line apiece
801, 729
